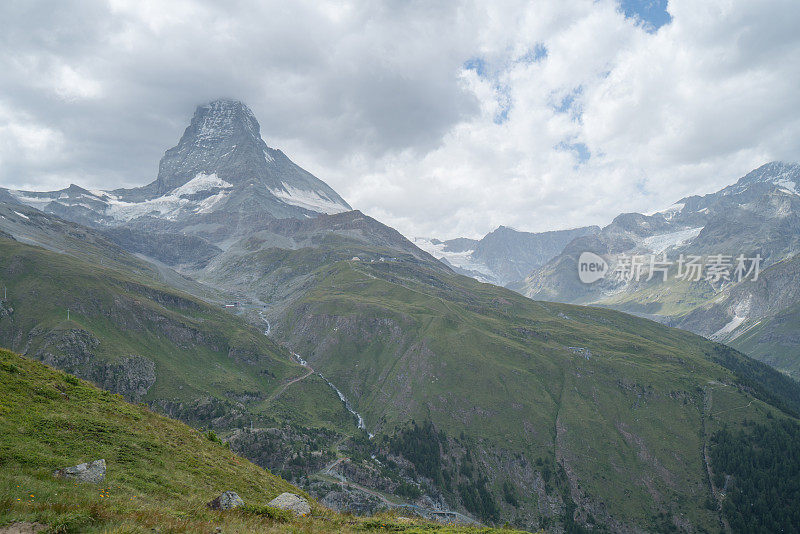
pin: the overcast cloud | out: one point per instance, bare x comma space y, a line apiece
440, 121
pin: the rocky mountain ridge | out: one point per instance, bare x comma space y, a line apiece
758, 216
503, 256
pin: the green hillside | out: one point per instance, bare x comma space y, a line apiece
153, 344
618, 409
112, 316
34, 227
160, 473
769, 309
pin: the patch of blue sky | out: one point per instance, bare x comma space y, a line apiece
580, 150
535, 54
482, 68
569, 104
478, 65
502, 91
651, 14
504, 102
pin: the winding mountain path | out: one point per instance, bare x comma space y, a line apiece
279, 391
329, 470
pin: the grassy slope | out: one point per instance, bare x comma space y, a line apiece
53, 233
404, 341
771, 339
160, 472
628, 422
212, 368
198, 350
675, 297
129, 317
776, 339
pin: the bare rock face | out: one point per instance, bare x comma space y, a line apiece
91, 472
132, 377
353, 501
227, 501
293, 503
73, 351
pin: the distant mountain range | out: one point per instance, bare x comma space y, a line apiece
759, 215
756, 216
238, 292
504, 255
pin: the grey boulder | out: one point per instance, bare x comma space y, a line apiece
293, 503
91, 472
227, 501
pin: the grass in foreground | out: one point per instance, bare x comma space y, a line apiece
160, 472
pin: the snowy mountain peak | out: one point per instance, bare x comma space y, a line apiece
220, 120
223, 138
784, 175
220, 170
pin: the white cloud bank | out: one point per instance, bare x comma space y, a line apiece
440, 121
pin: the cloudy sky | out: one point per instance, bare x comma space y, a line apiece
441, 119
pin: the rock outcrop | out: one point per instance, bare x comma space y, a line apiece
90, 472
291, 502
227, 501
73, 351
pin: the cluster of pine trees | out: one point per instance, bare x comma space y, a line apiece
760, 379
426, 447
477, 499
761, 467
423, 446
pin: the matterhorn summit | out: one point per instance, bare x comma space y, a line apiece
220, 176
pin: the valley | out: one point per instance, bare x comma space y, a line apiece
241, 295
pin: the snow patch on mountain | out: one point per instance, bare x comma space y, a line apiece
39, 202
672, 211
310, 200
169, 206
125, 211
784, 175
788, 185
734, 323
663, 242
99, 194
187, 198
461, 259
740, 315
202, 182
